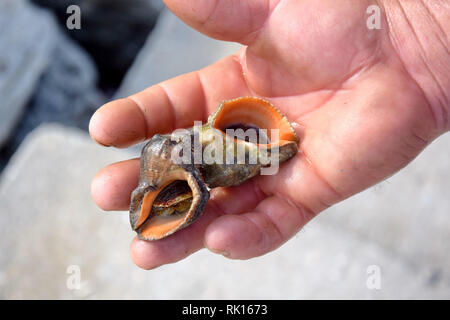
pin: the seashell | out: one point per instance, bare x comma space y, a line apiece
176, 172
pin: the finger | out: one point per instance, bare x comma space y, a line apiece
123, 122
264, 228
112, 186
231, 20
255, 233
175, 103
151, 254
296, 195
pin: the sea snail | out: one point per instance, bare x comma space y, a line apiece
177, 170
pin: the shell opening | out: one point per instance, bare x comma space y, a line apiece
176, 198
166, 208
260, 136
251, 112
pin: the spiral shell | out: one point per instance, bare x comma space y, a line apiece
172, 194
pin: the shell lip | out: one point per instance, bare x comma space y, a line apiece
153, 227
254, 112
136, 201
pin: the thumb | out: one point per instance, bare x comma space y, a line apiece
229, 20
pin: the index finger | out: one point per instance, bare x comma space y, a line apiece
175, 103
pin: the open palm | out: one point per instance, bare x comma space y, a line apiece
359, 114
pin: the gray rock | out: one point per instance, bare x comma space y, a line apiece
112, 31
22, 58
48, 222
67, 91
50, 80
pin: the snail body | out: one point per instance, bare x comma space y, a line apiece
178, 169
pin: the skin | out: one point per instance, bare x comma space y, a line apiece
363, 102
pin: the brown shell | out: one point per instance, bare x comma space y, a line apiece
156, 173
171, 196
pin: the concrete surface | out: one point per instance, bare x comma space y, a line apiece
48, 223
409, 213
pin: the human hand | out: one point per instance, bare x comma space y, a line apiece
365, 102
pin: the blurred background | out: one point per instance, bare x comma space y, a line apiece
391, 241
